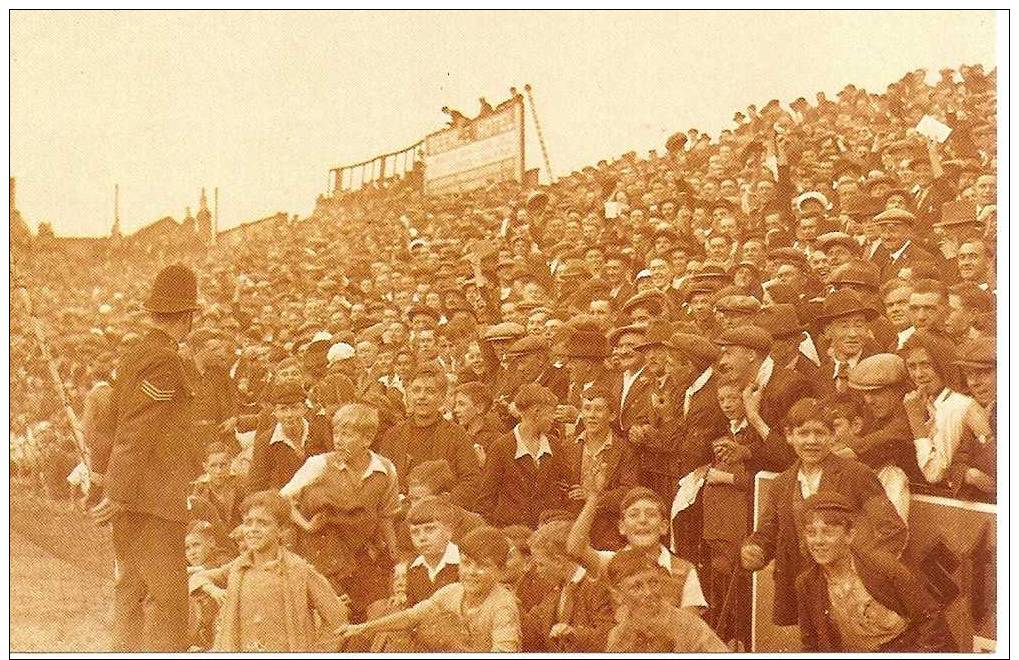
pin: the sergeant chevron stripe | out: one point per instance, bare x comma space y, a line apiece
155, 393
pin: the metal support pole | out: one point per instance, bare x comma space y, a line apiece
541, 136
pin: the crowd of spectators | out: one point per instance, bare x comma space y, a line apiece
566, 392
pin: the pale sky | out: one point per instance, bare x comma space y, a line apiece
262, 104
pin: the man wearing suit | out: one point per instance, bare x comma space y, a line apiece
845, 320
816, 470
154, 458
768, 394
898, 248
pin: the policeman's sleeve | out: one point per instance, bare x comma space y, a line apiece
147, 405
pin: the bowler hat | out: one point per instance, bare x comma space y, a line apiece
175, 290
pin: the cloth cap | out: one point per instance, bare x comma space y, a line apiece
747, 336
781, 320
339, 352
833, 501
527, 345
978, 353
739, 304
632, 561
698, 349
532, 394
827, 240
174, 290
862, 273
503, 331
616, 333
895, 215
843, 303
878, 371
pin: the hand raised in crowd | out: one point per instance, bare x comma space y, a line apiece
752, 557
566, 414
351, 630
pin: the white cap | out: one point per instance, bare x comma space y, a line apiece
321, 335
642, 274
105, 309
339, 352
814, 195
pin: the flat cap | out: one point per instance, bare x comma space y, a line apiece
532, 394
829, 501
862, 273
503, 331
789, 255
632, 328
878, 371
979, 353
957, 213
895, 215
699, 349
862, 205
780, 320
527, 345
747, 336
651, 299
827, 240
844, 302
738, 304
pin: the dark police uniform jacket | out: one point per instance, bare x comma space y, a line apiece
156, 453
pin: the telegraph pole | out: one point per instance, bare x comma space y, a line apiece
541, 136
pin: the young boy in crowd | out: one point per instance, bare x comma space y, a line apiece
643, 522
435, 566
856, 601
575, 614
269, 596
216, 495
478, 613
345, 502
435, 479
727, 498
648, 620
203, 553
596, 444
810, 431
526, 471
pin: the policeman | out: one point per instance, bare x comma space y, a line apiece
153, 459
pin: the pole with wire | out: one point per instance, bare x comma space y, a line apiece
541, 135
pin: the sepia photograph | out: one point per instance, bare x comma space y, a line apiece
526, 331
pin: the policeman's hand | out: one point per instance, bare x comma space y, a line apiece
752, 557
105, 511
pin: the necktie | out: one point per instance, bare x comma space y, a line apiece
840, 376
